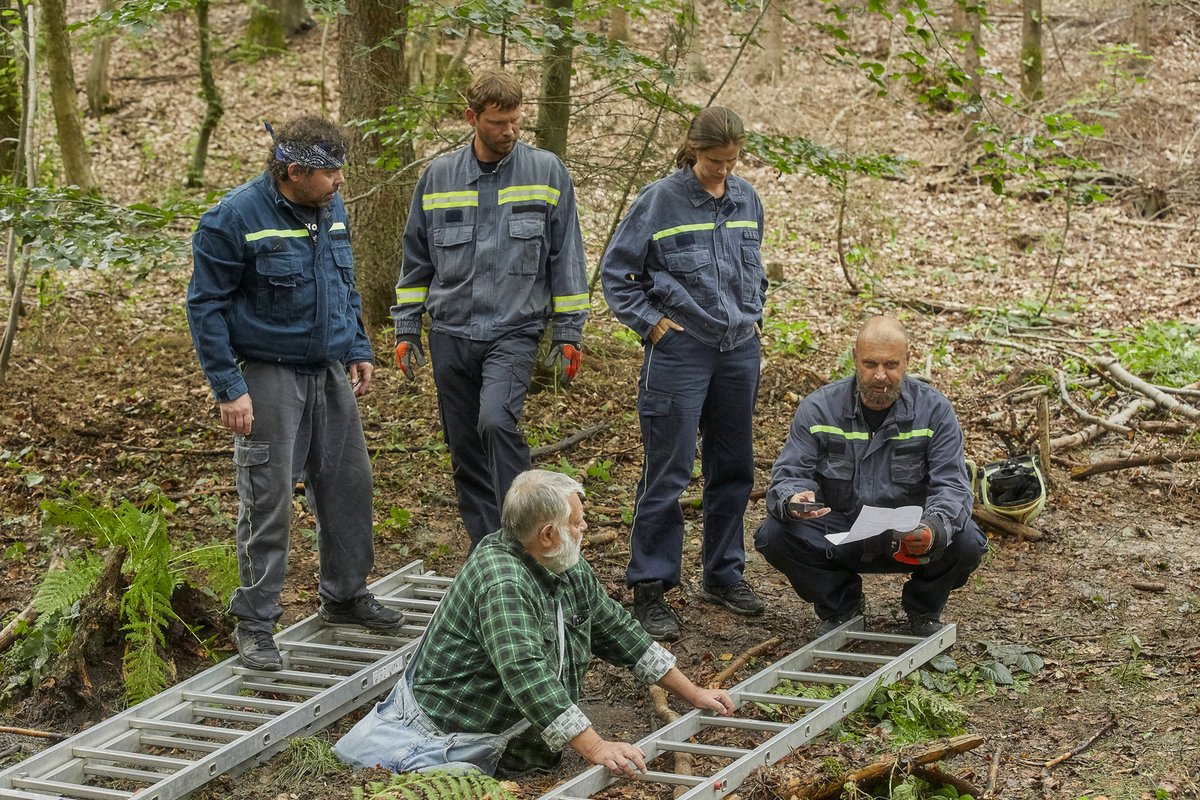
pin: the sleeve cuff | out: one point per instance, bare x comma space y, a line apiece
565, 727
654, 663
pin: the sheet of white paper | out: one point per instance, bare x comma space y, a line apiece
874, 520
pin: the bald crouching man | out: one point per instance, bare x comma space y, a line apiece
877, 438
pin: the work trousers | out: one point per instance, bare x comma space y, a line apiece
685, 387
481, 396
306, 427
829, 577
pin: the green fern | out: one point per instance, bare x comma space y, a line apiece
63, 588
435, 784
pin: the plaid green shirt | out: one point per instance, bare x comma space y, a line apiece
490, 657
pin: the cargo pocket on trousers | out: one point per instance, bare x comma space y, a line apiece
247, 454
654, 409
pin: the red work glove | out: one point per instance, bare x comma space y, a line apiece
922, 544
566, 358
408, 352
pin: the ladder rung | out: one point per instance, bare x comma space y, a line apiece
818, 677
415, 603
60, 789
700, 749
316, 678
126, 757
325, 664
213, 712
187, 729
889, 638
125, 773
743, 723
282, 688
781, 699
348, 653
669, 777
861, 658
239, 701
191, 745
352, 635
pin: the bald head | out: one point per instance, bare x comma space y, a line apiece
880, 360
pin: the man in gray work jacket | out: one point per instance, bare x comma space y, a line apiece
882, 439
277, 325
491, 249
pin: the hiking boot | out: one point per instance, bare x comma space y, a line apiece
653, 614
826, 625
257, 649
364, 611
737, 597
924, 625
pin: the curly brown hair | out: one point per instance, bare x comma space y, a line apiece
307, 129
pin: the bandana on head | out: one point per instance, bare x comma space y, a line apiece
317, 156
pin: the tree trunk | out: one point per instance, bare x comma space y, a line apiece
77, 164
1140, 35
618, 25
768, 65
696, 68
265, 28
373, 78
10, 88
965, 30
554, 101
1031, 50
95, 83
212, 100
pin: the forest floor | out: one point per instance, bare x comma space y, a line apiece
105, 397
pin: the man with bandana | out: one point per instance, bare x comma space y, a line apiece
277, 325
495, 684
493, 251
877, 438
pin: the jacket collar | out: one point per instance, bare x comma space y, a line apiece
699, 195
470, 164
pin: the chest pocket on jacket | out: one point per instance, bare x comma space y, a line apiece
752, 270
527, 232
279, 275
909, 465
693, 269
835, 474
452, 254
345, 268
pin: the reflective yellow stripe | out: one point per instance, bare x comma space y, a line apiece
254, 237
570, 302
337, 226
515, 194
411, 294
839, 432
699, 226
741, 223
449, 200
912, 434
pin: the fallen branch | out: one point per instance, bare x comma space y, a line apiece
1091, 740
1160, 398
990, 519
1095, 431
733, 666
935, 751
938, 778
1149, 586
696, 503
56, 737
993, 774
683, 761
600, 538
570, 441
9, 635
1113, 465
1115, 427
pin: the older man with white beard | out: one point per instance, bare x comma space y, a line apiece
495, 684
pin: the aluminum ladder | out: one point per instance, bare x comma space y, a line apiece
230, 717
847, 649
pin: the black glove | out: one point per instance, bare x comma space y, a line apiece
408, 351
565, 357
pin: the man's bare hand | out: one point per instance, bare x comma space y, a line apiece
238, 415
619, 757
717, 700
661, 327
360, 377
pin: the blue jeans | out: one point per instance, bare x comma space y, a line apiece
398, 736
688, 387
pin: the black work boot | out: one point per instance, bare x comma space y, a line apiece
738, 598
652, 612
364, 611
257, 649
826, 625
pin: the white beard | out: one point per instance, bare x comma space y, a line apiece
565, 556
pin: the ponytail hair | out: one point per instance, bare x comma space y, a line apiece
715, 126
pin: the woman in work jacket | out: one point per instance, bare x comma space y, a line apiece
685, 273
